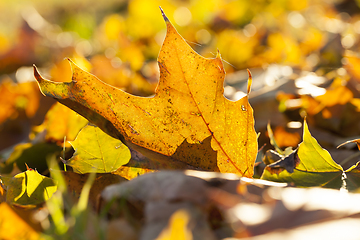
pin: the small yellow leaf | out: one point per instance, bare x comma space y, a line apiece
62, 123
17, 96
95, 151
28, 188
12, 226
178, 227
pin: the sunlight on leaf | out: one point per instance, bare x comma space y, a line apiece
12, 226
311, 166
310, 149
188, 119
95, 151
29, 188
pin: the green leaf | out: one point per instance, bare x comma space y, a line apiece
29, 188
310, 165
95, 151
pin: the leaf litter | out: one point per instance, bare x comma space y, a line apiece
230, 205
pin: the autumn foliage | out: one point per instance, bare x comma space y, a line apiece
142, 132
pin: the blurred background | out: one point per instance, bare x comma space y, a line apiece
304, 57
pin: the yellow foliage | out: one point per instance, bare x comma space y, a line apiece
14, 97
9, 219
178, 227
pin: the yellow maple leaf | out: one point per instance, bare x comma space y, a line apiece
188, 120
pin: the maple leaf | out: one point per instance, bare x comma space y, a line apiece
188, 119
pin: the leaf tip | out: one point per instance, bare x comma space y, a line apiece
249, 82
218, 55
163, 15
72, 64
27, 168
73, 67
37, 74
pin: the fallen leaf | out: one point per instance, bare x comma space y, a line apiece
13, 226
178, 228
95, 151
62, 123
28, 188
14, 97
336, 94
285, 138
310, 165
351, 63
187, 120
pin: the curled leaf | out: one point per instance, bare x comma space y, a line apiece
28, 188
357, 141
188, 120
310, 165
287, 163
